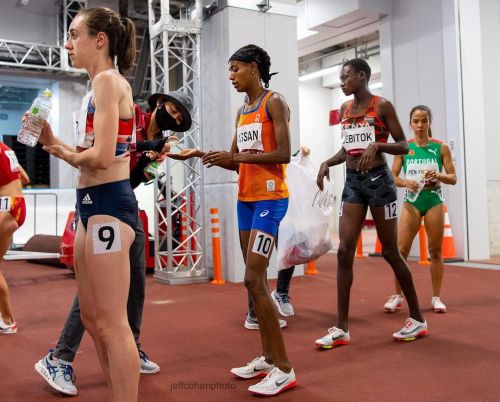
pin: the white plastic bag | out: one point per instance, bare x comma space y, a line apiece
303, 234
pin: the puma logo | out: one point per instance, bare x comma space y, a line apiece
434, 151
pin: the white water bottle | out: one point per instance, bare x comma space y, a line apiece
33, 125
412, 195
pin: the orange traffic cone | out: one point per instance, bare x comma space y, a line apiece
311, 268
359, 247
378, 249
448, 245
422, 237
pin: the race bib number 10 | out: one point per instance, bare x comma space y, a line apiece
263, 244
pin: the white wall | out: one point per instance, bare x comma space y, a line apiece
490, 37
410, 38
35, 23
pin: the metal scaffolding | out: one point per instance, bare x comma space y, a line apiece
179, 214
43, 57
68, 11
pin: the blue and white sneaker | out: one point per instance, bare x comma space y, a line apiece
282, 301
58, 374
147, 366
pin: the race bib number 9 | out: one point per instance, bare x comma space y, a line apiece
249, 138
263, 244
106, 237
5, 204
357, 137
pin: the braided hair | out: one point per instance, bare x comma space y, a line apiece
425, 109
254, 53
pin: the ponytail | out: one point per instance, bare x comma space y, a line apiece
125, 46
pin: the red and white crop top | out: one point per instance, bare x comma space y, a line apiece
359, 131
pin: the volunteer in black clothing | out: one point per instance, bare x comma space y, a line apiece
367, 121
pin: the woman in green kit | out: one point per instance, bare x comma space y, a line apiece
424, 162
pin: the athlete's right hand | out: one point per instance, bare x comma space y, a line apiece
411, 185
47, 136
324, 170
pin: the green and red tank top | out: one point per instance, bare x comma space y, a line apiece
420, 159
359, 131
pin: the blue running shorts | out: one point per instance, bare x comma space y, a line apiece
263, 215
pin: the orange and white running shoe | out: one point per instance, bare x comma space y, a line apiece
275, 382
335, 337
394, 302
411, 331
7, 329
437, 305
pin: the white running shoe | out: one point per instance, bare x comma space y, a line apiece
411, 331
275, 382
394, 302
147, 366
258, 367
335, 337
58, 374
437, 305
7, 329
282, 301
253, 323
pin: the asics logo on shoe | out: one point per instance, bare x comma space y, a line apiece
280, 383
375, 178
86, 199
264, 213
433, 151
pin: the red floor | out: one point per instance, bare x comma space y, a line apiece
195, 333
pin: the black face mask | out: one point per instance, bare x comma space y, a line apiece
163, 120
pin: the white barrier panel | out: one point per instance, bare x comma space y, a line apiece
46, 213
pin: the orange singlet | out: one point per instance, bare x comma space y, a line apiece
255, 134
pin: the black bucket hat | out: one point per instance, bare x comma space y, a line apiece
183, 103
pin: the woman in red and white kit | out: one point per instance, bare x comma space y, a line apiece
12, 215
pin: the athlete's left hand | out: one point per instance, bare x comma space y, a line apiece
222, 159
60, 152
432, 175
365, 163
